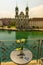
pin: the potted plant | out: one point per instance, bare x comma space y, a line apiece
21, 42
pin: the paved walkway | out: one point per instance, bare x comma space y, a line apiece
33, 62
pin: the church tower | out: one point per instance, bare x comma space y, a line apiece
27, 11
16, 11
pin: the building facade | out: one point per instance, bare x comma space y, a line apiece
21, 19
24, 22
36, 23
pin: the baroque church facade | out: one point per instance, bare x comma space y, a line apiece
22, 21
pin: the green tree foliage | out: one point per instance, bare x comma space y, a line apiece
12, 23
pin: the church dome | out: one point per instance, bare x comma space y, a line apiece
27, 8
21, 13
16, 8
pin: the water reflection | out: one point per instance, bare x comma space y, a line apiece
9, 31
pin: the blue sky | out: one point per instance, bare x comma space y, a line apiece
8, 6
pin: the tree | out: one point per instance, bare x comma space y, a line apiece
12, 23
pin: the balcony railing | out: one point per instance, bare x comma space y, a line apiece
34, 44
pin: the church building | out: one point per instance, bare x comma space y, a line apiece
22, 21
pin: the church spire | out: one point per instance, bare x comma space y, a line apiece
27, 9
16, 3
16, 9
27, 2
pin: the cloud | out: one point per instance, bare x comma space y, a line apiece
6, 14
36, 11
33, 12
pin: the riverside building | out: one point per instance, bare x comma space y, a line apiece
22, 21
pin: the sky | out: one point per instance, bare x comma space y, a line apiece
7, 7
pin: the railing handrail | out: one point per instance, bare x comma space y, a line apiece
19, 39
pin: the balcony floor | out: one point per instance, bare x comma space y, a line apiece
33, 62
